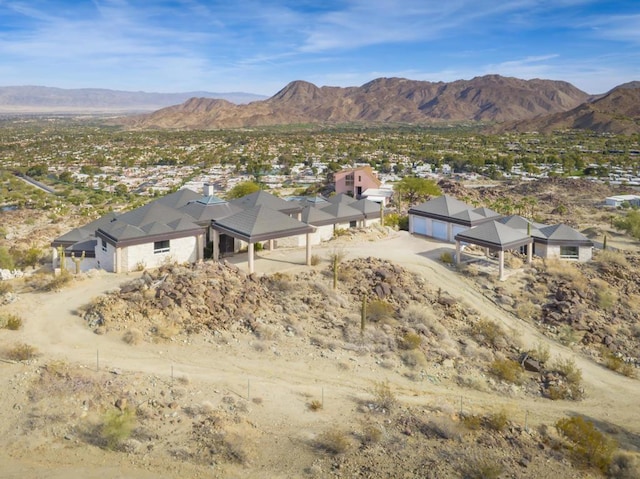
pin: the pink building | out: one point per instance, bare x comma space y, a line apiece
354, 181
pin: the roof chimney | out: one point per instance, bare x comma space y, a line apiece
208, 189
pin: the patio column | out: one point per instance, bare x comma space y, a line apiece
118, 266
364, 222
271, 245
308, 247
486, 252
501, 264
200, 243
250, 253
458, 252
216, 245
529, 253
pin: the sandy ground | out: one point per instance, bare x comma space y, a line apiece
284, 380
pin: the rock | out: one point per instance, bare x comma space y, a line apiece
532, 365
121, 403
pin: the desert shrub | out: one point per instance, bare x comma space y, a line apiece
612, 257
383, 396
166, 330
117, 426
526, 310
411, 340
282, 282
58, 282
6, 260
624, 466
507, 370
340, 232
513, 261
497, 421
489, 333
132, 336
5, 287
589, 445
571, 388
377, 310
540, 353
371, 434
315, 405
617, 364
473, 422
446, 257
567, 335
396, 220
413, 358
334, 441
315, 260
12, 322
22, 352
482, 467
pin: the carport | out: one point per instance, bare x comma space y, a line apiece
495, 236
257, 224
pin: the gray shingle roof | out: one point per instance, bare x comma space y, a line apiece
495, 235
341, 198
262, 198
370, 208
521, 223
343, 212
84, 232
209, 210
261, 223
441, 206
178, 198
562, 234
316, 217
146, 224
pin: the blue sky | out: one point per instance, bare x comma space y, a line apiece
260, 46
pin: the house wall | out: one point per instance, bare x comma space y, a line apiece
450, 233
553, 251
361, 178
181, 250
105, 260
341, 184
322, 233
85, 265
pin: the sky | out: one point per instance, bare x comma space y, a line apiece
260, 46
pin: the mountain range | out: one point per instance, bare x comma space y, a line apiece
41, 99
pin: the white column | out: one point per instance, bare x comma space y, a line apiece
271, 245
308, 246
250, 253
118, 266
200, 246
458, 252
501, 264
529, 253
216, 245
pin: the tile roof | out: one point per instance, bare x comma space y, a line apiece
261, 223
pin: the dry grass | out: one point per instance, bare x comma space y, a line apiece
612, 257
384, 398
334, 441
132, 336
22, 352
12, 322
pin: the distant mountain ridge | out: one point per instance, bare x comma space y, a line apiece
59, 100
615, 112
384, 100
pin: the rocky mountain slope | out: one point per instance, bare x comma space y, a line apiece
42, 99
385, 100
616, 112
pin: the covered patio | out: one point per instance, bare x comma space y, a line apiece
495, 236
258, 224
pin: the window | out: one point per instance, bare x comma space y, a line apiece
359, 178
349, 179
104, 245
570, 252
161, 247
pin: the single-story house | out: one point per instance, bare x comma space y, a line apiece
562, 242
619, 200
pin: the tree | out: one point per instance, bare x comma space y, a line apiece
629, 223
243, 189
414, 189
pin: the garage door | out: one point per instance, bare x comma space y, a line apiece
419, 225
440, 230
458, 229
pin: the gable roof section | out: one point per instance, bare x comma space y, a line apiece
343, 212
317, 217
178, 198
207, 210
260, 223
85, 232
495, 235
262, 198
341, 198
151, 222
521, 223
562, 234
368, 207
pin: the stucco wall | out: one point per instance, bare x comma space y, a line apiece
553, 251
105, 260
181, 250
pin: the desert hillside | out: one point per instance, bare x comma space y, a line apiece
385, 100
